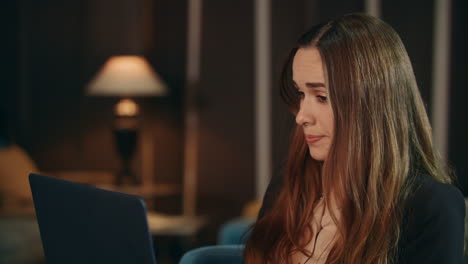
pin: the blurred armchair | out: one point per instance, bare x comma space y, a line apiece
222, 254
231, 237
236, 231
15, 166
20, 241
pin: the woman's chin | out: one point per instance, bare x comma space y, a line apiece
318, 154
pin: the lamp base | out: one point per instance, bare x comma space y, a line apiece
126, 141
125, 177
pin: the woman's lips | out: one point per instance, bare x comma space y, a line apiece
313, 139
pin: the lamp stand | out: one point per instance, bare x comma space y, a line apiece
126, 137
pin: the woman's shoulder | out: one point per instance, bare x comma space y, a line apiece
433, 197
433, 225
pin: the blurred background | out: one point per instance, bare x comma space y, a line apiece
203, 150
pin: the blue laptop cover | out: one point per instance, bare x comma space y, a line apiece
83, 224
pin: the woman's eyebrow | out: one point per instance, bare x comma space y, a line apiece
315, 85
312, 85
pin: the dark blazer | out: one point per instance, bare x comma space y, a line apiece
432, 230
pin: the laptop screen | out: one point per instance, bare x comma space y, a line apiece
84, 224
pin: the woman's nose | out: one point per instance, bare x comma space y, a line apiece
300, 118
304, 115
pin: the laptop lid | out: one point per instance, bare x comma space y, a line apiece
84, 224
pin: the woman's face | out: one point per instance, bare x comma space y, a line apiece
315, 114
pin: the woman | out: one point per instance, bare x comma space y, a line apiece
362, 182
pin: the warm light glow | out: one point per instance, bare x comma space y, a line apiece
126, 107
127, 76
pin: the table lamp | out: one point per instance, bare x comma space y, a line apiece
126, 77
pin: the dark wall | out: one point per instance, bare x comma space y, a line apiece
52, 81
226, 96
61, 45
458, 134
414, 22
9, 46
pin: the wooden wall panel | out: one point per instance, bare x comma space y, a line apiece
226, 136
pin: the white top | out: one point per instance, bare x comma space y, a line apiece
324, 229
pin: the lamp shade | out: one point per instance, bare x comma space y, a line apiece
126, 76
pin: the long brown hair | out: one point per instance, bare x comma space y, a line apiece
382, 140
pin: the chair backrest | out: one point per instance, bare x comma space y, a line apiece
15, 165
223, 254
235, 232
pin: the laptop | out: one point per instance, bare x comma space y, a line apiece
84, 224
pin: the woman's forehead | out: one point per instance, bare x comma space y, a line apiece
307, 66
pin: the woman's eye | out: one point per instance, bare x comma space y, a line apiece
300, 94
322, 99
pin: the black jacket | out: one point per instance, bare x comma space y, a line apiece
432, 230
